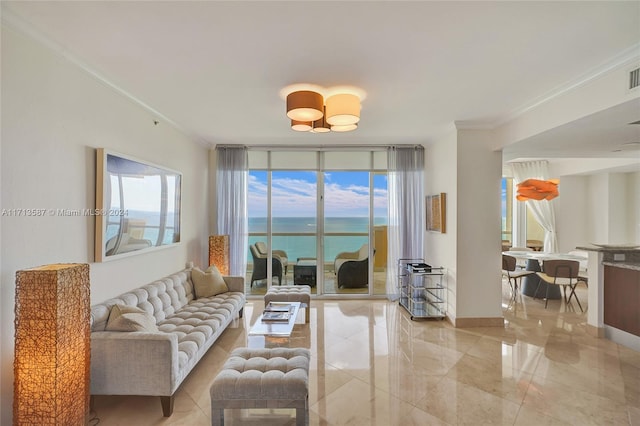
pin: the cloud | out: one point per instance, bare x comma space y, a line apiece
296, 197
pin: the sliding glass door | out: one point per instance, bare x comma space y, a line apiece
311, 221
294, 223
346, 231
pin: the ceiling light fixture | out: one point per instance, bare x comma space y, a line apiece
535, 189
309, 111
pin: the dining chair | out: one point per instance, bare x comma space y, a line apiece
513, 274
584, 263
561, 272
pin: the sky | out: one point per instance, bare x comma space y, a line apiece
293, 194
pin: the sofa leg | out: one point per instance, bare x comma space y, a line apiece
167, 405
241, 312
217, 416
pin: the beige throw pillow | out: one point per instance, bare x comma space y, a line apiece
130, 318
208, 283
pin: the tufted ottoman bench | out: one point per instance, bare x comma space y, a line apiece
290, 293
263, 378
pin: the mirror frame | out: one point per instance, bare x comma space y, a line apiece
140, 237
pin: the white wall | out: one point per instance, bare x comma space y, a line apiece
441, 176
633, 195
618, 209
597, 94
479, 175
54, 115
572, 212
614, 206
598, 200
464, 165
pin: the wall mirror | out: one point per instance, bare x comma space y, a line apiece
137, 206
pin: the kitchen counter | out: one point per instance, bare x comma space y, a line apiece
620, 257
625, 265
614, 286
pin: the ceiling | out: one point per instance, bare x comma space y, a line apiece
216, 69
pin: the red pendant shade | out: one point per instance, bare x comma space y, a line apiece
535, 189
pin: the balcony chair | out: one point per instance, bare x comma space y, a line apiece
126, 244
563, 273
352, 268
280, 254
260, 265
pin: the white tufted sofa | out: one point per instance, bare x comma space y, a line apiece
156, 363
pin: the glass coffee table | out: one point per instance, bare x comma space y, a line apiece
264, 327
270, 334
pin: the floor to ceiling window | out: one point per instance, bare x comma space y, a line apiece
346, 231
380, 231
308, 207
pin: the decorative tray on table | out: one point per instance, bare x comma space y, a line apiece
419, 267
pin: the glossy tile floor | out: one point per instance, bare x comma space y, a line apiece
372, 365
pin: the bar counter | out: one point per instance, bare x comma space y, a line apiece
614, 294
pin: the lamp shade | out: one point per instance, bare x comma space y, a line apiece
300, 126
535, 189
345, 128
52, 345
219, 252
320, 126
342, 109
304, 105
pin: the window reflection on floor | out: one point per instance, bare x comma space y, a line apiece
330, 285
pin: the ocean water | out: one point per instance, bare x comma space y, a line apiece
150, 219
303, 242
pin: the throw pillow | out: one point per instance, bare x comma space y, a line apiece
208, 283
130, 318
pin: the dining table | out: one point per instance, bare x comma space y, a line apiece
533, 263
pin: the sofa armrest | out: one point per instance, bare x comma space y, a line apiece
235, 283
134, 363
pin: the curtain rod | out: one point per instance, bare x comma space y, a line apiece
320, 147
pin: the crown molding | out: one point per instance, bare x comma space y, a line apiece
13, 22
621, 60
474, 125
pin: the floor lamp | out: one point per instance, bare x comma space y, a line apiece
219, 252
52, 345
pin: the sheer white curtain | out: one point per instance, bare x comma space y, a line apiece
542, 210
405, 210
231, 186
